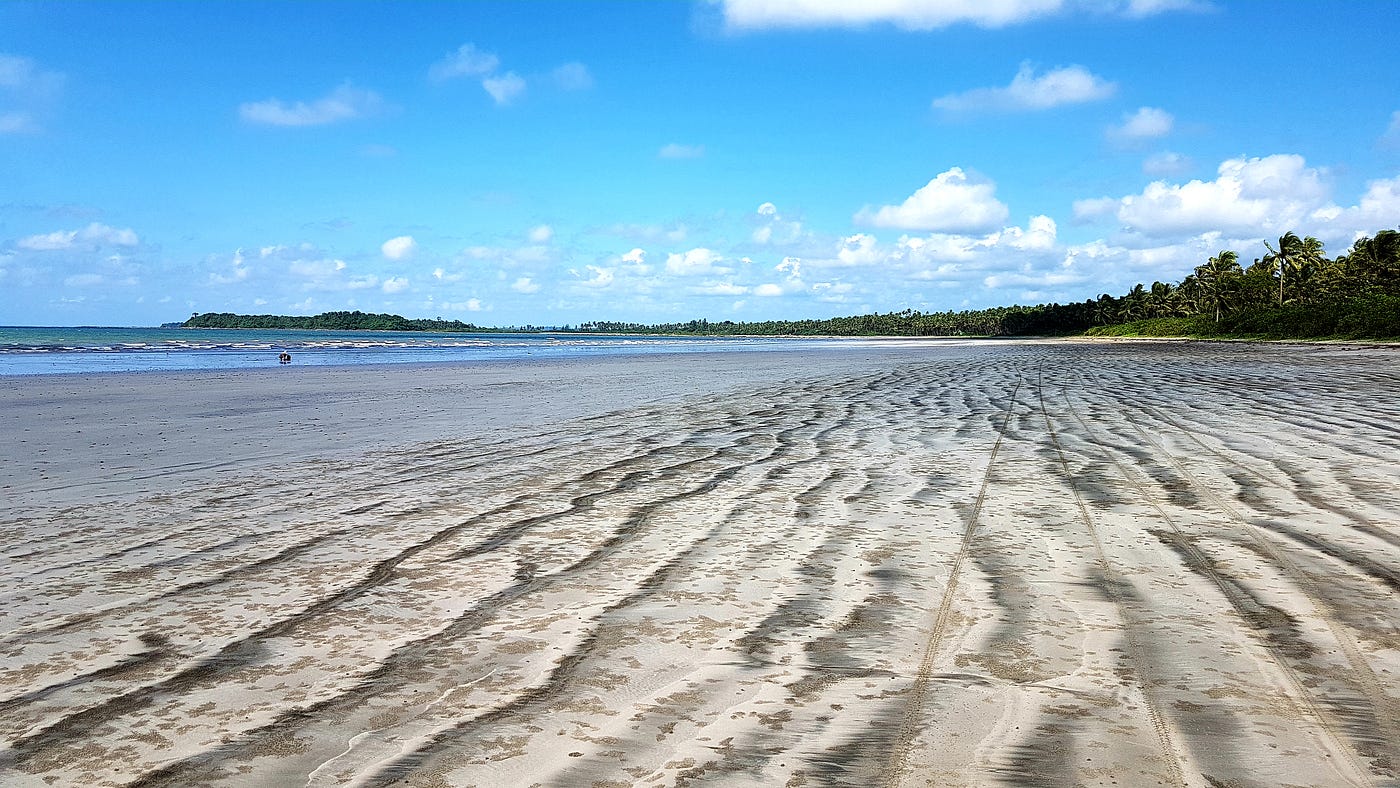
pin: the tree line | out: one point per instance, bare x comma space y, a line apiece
1293, 290
330, 321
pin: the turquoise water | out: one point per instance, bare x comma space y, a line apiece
49, 351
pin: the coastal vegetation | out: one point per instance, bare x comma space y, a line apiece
331, 321
1292, 291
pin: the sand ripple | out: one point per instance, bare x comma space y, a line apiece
1033, 564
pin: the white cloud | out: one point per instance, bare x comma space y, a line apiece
953, 201
1040, 234
720, 289
400, 248
344, 103
598, 276
573, 76
744, 15
525, 285
541, 234
1147, 123
767, 209
859, 249
93, 236
505, 88
768, 290
675, 150
467, 61
695, 261
1250, 196
1167, 164
1376, 210
1067, 85
395, 284
907, 14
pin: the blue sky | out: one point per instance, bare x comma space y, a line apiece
552, 163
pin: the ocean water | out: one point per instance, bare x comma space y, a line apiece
50, 351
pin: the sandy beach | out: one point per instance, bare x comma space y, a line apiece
889, 564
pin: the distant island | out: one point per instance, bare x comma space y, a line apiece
330, 321
1294, 291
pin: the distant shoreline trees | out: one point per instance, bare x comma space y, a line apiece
333, 321
1292, 291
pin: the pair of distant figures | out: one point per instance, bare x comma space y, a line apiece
284, 357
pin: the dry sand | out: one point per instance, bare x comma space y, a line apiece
1028, 563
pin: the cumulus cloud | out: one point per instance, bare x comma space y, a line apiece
768, 290
1145, 124
525, 285
93, 236
637, 258
1376, 210
1251, 196
954, 201
466, 61
859, 249
400, 248
1028, 92
541, 234
573, 76
505, 88
1039, 234
695, 261
675, 150
344, 103
395, 284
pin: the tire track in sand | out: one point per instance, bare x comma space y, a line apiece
910, 723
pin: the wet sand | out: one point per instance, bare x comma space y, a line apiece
955, 563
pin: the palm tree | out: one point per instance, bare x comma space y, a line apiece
1164, 300
1291, 257
1215, 281
1105, 311
1134, 304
